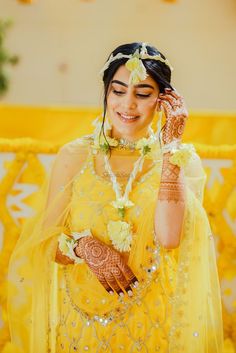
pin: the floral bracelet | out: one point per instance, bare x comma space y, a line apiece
180, 157
68, 244
180, 153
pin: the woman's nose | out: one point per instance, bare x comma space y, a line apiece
129, 102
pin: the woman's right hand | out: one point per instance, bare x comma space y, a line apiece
107, 264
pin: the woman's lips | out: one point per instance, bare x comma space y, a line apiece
127, 118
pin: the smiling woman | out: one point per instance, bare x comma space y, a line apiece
120, 255
131, 108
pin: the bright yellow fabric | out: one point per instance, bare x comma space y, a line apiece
176, 308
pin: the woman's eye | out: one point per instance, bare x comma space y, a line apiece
117, 92
143, 95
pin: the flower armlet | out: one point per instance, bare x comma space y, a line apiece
68, 244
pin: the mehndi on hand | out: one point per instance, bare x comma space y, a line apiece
176, 115
107, 264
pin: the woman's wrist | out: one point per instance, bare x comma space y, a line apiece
62, 259
172, 182
68, 245
79, 246
178, 156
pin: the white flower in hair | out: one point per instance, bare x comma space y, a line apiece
137, 69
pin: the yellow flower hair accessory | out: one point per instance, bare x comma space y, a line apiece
135, 64
137, 69
120, 235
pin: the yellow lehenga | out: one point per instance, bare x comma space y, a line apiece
64, 308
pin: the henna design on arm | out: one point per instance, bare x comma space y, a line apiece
172, 183
171, 186
169, 213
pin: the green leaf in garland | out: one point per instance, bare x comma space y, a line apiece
104, 147
146, 149
121, 212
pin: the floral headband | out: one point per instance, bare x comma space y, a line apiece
135, 64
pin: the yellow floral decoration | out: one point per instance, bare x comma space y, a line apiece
120, 235
180, 157
66, 245
137, 69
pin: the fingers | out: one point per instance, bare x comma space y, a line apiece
173, 97
130, 276
105, 284
174, 93
111, 279
175, 101
167, 107
121, 278
119, 282
131, 279
134, 282
173, 108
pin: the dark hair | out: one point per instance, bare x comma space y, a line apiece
158, 70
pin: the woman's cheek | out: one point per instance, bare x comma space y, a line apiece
150, 106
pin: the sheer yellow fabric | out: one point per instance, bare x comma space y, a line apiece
56, 308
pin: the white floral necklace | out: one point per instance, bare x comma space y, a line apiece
120, 232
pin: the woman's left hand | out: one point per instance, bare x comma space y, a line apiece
176, 115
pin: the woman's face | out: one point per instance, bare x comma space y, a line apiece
131, 108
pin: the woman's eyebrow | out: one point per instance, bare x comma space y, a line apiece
143, 85
140, 85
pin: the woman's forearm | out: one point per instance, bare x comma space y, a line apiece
169, 212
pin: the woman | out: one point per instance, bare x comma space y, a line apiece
121, 256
